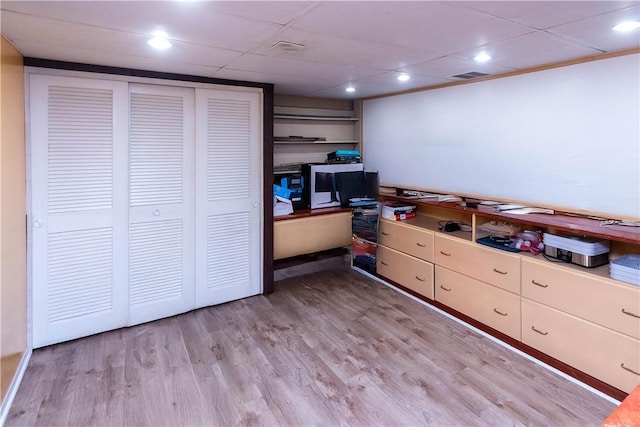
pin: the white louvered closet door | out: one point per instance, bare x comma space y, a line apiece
228, 196
161, 221
78, 213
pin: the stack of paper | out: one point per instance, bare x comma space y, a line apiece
626, 269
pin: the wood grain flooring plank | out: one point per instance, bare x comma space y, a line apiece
332, 348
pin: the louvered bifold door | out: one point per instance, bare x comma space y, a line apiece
161, 150
228, 196
78, 209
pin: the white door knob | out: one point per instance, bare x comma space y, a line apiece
156, 212
37, 223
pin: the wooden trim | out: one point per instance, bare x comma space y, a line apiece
537, 354
303, 213
267, 192
90, 68
561, 221
582, 60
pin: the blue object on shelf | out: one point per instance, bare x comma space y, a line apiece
498, 242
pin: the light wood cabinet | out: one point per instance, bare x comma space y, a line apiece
490, 305
492, 266
311, 234
604, 301
406, 270
601, 352
405, 238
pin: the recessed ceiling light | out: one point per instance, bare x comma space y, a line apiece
350, 89
482, 57
159, 41
626, 26
404, 77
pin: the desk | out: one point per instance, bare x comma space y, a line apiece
311, 230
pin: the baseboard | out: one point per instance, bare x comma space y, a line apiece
13, 388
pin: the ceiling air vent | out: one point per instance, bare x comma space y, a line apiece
288, 46
470, 75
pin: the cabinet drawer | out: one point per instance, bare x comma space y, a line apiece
603, 353
489, 265
306, 235
490, 305
405, 270
599, 300
410, 240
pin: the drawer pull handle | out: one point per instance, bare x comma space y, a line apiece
539, 284
442, 287
629, 369
501, 314
421, 245
383, 263
445, 253
499, 272
628, 313
420, 278
533, 328
384, 234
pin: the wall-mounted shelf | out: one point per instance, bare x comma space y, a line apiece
276, 141
320, 118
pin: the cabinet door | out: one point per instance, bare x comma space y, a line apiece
411, 240
406, 270
228, 196
600, 300
78, 221
488, 304
161, 151
300, 236
603, 353
493, 266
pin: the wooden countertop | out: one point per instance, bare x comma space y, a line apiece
303, 213
627, 414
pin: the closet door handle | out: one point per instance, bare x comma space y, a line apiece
37, 223
495, 310
628, 313
533, 328
629, 369
420, 278
442, 287
539, 284
499, 272
155, 212
421, 245
445, 253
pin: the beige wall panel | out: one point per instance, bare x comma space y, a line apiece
13, 282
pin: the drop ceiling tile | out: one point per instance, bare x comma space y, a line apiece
277, 79
62, 53
428, 25
596, 31
448, 66
87, 38
196, 22
279, 12
336, 50
532, 50
545, 14
379, 84
291, 67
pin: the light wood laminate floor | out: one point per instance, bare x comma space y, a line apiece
329, 348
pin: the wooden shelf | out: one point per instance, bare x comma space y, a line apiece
313, 142
564, 222
318, 118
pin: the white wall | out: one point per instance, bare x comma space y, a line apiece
566, 137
